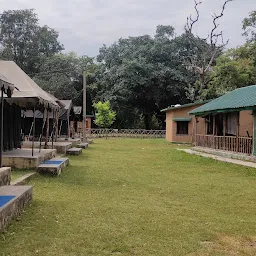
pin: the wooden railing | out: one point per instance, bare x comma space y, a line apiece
229, 143
124, 133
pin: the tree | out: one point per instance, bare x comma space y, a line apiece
140, 76
104, 116
206, 51
61, 75
24, 41
234, 69
249, 27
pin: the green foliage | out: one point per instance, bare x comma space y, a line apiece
141, 75
234, 69
24, 41
249, 26
105, 117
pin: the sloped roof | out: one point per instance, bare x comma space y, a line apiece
27, 88
239, 99
184, 106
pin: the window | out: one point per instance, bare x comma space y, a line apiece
182, 128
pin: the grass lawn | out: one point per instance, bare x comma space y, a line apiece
138, 197
15, 174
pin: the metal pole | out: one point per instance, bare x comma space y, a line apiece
2, 129
34, 125
84, 107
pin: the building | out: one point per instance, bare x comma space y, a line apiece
180, 125
229, 122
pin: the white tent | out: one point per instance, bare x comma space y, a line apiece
28, 93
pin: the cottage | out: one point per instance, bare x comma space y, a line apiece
179, 124
229, 122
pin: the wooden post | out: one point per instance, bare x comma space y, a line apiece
254, 133
237, 131
47, 128
224, 129
196, 130
34, 127
2, 128
214, 130
57, 124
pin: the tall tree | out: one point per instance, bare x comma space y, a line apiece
61, 75
24, 41
141, 75
249, 27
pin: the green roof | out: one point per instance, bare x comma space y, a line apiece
237, 100
184, 106
181, 119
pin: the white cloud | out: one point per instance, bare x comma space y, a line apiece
85, 25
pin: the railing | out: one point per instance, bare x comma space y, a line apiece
124, 133
229, 143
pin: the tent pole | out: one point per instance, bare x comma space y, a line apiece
41, 135
2, 129
34, 125
53, 126
47, 129
57, 125
60, 127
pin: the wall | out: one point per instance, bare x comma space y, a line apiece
171, 126
246, 123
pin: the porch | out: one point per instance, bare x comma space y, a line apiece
235, 144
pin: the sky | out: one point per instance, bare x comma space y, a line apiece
85, 25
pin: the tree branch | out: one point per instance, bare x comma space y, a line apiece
213, 36
190, 21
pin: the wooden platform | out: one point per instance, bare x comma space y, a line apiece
5, 176
13, 200
53, 166
61, 147
74, 151
82, 145
23, 159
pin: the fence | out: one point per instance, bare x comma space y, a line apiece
124, 133
229, 143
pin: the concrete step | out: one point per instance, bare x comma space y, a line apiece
83, 145
13, 200
74, 151
5, 176
53, 166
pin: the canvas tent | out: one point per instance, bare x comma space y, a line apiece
6, 88
28, 93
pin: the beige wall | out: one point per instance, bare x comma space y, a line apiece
246, 123
171, 126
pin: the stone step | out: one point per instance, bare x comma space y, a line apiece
83, 145
53, 166
74, 151
5, 176
13, 200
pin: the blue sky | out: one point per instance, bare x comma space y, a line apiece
85, 25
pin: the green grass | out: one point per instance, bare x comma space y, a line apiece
138, 197
15, 174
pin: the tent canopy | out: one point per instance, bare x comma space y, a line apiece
64, 111
27, 90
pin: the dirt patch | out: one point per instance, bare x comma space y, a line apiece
228, 246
